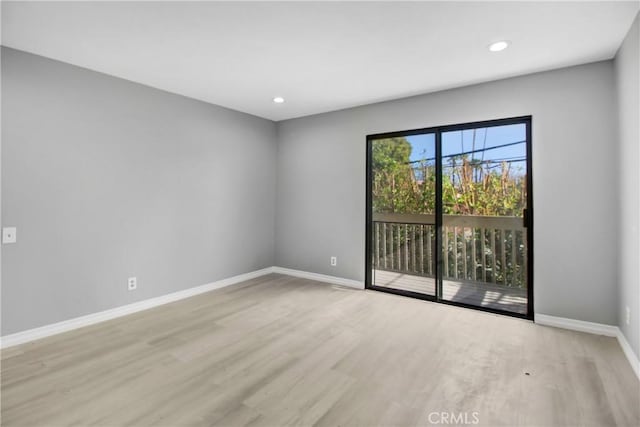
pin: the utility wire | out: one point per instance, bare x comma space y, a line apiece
468, 152
482, 162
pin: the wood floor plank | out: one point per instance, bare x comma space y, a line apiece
278, 350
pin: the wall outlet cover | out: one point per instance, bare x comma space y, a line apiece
9, 235
627, 315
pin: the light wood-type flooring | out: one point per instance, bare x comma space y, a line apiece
279, 350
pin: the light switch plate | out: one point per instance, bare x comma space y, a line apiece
9, 235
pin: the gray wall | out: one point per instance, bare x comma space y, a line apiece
321, 180
628, 89
107, 179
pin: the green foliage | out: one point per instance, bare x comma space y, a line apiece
469, 187
393, 182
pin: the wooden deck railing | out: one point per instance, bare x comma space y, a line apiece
477, 248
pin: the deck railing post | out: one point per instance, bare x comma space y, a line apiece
474, 264
464, 254
455, 252
445, 250
420, 248
429, 250
400, 246
483, 248
384, 244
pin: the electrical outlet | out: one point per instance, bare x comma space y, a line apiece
334, 261
9, 235
627, 315
132, 283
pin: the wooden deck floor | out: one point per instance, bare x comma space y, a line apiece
474, 293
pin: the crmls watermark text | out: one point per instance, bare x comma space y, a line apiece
458, 418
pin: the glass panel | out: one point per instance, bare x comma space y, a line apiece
403, 198
484, 193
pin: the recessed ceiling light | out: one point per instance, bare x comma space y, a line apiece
498, 46
278, 100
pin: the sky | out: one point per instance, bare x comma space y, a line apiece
455, 142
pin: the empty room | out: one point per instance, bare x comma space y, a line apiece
320, 213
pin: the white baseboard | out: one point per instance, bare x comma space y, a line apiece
576, 325
90, 319
93, 318
628, 351
319, 277
593, 328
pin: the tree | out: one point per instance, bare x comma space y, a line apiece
469, 186
394, 184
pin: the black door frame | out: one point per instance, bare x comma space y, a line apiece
528, 220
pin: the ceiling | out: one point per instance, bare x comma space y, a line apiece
319, 56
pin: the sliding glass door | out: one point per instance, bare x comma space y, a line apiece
449, 215
403, 229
